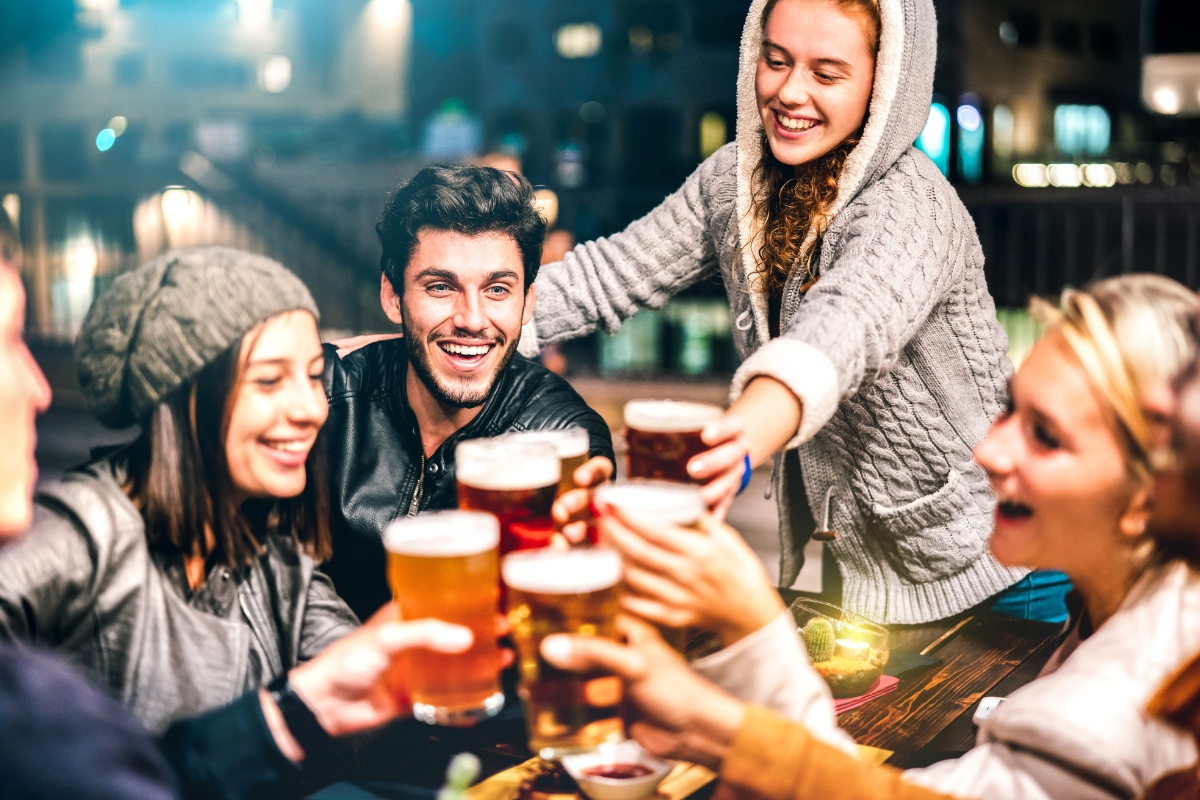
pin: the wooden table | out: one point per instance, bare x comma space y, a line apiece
927, 718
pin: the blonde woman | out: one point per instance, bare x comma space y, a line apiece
1070, 467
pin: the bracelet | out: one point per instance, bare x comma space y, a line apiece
746, 470
313, 739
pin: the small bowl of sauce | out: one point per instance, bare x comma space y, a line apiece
617, 771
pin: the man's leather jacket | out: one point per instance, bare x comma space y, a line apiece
378, 469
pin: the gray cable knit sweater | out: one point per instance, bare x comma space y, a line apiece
895, 353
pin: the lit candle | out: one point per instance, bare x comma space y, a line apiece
851, 649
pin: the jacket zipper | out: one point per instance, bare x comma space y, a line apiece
415, 506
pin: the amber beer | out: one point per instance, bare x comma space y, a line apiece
567, 591
571, 444
663, 435
515, 481
445, 565
656, 502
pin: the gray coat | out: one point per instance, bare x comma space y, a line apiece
84, 583
895, 353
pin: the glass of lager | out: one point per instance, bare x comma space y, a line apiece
658, 502
572, 445
663, 435
445, 565
567, 591
516, 481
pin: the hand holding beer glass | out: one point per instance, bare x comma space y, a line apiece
564, 591
515, 481
445, 564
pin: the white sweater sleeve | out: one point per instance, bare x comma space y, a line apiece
770, 668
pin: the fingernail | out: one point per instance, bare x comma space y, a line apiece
557, 649
695, 466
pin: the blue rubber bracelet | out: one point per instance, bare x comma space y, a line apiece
746, 470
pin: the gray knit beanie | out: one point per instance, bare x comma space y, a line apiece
160, 325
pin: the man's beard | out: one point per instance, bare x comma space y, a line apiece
463, 395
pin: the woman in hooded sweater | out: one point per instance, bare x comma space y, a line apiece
872, 358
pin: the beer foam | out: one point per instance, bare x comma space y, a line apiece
669, 416
568, 442
562, 571
443, 534
655, 501
500, 466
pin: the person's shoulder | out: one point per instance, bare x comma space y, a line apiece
544, 397
63, 735
361, 368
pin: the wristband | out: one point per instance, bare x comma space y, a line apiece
299, 718
746, 470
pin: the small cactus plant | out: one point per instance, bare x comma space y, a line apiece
818, 638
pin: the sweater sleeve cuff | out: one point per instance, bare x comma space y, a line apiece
803, 369
528, 345
764, 759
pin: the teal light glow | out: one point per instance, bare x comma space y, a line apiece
970, 143
106, 139
1082, 130
934, 141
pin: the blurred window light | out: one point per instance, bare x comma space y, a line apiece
1166, 100
97, 7
118, 125
578, 40
1082, 130
570, 169
592, 112
1066, 176
254, 14
12, 207
969, 118
641, 40
389, 13
934, 140
714, 133
1100, 176
105, 140
275, 74
1003, 132
1144, 173
1124, 172
179, 206
546, 202
970, 144
1032, 176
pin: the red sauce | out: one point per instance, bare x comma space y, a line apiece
619, 771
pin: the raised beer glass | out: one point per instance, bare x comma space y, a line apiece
567, 591
516, 481
572, 445
446, 565
663, 435
656, 502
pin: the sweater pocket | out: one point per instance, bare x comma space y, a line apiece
931, 537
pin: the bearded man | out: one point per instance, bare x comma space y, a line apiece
461, 248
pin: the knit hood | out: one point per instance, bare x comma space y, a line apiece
898, 111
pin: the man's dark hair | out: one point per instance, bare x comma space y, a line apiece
179, 478
466, 200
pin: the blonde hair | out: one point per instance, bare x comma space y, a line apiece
1129, 333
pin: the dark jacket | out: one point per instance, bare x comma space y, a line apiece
59, 737
376, 461
85, 583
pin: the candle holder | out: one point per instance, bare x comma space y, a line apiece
848, 650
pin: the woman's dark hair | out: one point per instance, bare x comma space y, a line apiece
467, 200
179, 478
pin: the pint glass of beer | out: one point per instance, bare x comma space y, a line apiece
445, 565
515, 481
570, 591
572, 445
656, 502
663, 435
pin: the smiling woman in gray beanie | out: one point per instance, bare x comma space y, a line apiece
180, 572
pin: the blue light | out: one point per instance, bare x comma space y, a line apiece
969, 118
1082, 130
106, 139
934, 141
